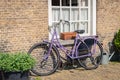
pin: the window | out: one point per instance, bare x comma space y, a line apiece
78, 12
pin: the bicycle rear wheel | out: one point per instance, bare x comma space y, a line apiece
93, 61
43, 66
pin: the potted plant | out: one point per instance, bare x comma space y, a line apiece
117, 43
15, 66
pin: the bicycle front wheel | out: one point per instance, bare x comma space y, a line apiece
93, 61
43, 66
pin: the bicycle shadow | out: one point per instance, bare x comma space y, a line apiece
70, 66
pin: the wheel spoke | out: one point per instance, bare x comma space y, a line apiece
45, 63
94, 60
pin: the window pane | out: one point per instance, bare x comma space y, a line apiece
74, 2
66, 14
55, 2
84, 2
56, 14
84, 26
75, 14
84, 14
65, 27
74, 26
65, 2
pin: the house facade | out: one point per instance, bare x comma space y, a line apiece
25, 22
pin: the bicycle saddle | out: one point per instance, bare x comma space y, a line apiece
80, 31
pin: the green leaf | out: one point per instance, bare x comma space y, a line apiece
19, 61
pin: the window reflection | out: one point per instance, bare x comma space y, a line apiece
74, 2
65, 2
55, 2
84, 2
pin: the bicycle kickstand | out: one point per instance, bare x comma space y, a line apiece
73, 64
60, 66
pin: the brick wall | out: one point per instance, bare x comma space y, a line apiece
108, 19
22, 23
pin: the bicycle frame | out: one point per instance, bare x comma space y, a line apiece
73, 54
85, 52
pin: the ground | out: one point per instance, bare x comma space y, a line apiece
110, 71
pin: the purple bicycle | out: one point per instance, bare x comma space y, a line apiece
86, 51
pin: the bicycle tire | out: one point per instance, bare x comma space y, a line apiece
94, 59
44, 67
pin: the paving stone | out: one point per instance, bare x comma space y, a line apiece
110, 71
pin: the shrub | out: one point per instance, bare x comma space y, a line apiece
117, 40
16, 62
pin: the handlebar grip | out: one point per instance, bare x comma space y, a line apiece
64, 21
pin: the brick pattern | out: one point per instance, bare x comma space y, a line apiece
25, 22
22, 23
108, 20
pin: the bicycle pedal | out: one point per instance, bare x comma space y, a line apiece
75, 66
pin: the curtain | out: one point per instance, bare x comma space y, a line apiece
78, 16
66, 16
56, 14
74, 17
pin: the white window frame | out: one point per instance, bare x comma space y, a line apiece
93, 30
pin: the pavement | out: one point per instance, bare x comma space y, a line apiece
109, 71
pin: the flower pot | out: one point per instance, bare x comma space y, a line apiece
119, 57
68, 35
16, 75
0, 75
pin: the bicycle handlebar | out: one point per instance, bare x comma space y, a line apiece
64, 21
56, 24
61, 21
